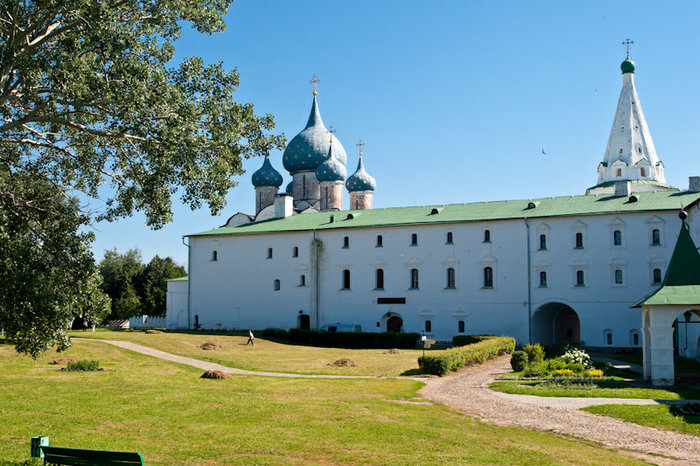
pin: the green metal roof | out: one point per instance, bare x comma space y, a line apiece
681, 283
459, 213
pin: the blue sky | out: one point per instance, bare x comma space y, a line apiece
454, 99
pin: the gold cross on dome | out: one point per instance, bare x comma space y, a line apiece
360, 145
314, 81
627, 42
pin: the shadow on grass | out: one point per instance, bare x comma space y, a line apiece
412, 372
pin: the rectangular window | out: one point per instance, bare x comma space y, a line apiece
380, 241
579, 241
269, 253
580, 278
608, 338
214, 256
449, 238
450, 277
635, 339
302, 280
543, 242
618, 276
295, 252
487, 236
414, 239
414, 279
617, 238
543, 279
428, 326
488, 277
391, 300
656, 276
655, 237
379, 279
460, 326
346, 242
346, 279
277, 285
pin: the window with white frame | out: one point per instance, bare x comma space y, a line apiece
414, 279
450, 277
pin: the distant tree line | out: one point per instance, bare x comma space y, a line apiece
136, 288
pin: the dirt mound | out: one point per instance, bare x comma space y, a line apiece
154, 332
209, 346
343, 362
215, 375
393, 351
62, 361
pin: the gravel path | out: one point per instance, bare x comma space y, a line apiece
467, 391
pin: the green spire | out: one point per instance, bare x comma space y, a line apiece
684, 268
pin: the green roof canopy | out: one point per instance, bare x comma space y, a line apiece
681, 284
461, 213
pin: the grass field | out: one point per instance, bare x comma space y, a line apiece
173, 417
593, 389
270, 356
654, 416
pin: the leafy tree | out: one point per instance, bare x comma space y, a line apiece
152, 283
47, 273
90, 104
120, 273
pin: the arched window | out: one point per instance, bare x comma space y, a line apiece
449, 237
269, 253
460, 326
295, 252
487, 236
488, 277
346, 242
428, 326
414, 239
543, 278
579, 240
414, 279
450, 277
214, 255
655, 237
277, 285
379, 279
380, 241
346, 279
618, 276
656, 273
617, 238
543, 242
580, 278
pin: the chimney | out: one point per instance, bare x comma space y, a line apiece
694, 183
622, 188
284, 205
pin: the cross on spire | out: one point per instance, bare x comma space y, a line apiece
332, 131
627, 42
360, 145
314, 81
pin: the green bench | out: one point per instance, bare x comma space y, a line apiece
82, 457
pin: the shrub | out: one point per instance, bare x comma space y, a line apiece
535, 353
577, 355
564, 373
518, 361
550, 366
594, 373
83, 366
442, 362
464, 340
385, 340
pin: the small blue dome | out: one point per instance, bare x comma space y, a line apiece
308, 149
331, 169
289, 188
360, 180
267, 176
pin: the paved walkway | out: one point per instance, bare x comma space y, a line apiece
467, 391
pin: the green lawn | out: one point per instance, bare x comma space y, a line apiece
270, 356
592, 389
174, 417
654, 416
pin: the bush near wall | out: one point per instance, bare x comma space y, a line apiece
443, 362
343, 339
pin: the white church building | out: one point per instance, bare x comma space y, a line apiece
551, 270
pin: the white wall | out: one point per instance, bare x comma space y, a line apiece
176, 305
237, 290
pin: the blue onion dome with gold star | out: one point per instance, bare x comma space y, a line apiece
360, 180
290, 188
627, 66
267, 176
308, 149
331, 169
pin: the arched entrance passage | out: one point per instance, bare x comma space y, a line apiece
393, 322
556, 323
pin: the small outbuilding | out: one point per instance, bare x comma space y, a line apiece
671, 314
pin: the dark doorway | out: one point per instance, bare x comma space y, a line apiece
554, 324
394, 324
304, 322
